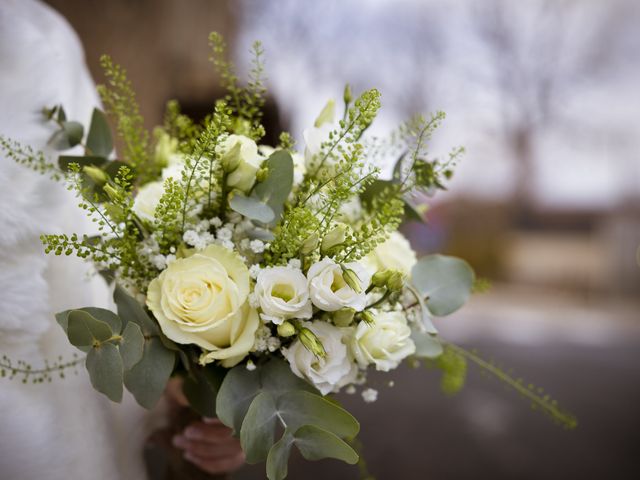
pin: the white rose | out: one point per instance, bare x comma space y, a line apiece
283, 294
202, 300
147, 199
394, 254
385, 343
330, 373
240, 155
329, 290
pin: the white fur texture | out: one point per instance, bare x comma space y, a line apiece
63, 430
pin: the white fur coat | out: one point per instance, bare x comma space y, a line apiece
63, 430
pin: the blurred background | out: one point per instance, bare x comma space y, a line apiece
545, 97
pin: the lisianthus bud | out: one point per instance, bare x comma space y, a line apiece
261, 174
380, 278
96, 174
335, 237
311, 342
327, 114
231, 159
111, 192
286, 329
347, 96
310, 244
351, 278
343, 317
395, 281
367, 317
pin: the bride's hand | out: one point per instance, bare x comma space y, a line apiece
208, 443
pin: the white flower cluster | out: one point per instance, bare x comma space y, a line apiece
285, 296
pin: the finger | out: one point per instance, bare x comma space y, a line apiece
210, 451
226, 465
205, 432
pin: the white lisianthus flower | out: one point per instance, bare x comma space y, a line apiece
394, 254
330, 292
313, 137
147, 199
239, 156
202, 300
283, 294
385, 343
335, 369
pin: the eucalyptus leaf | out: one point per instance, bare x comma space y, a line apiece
99, 140
111, 168
84, 330
299, 408
293, 409
278, 458
373, 190
446, 282
251, 207
258, 428
132, 345
131, 311
315, 443
147, 379
69, 135
83, 160
275, 189
240, 387
427, 345
104, 365
201, 389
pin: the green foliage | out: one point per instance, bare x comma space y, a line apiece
427, 345
97, 332
168, 215
445, 283
27, 374
180, 126
246, 102
202, 171
535, 395
454, 370
201, 388
298, 225
379, 221
120, 102
285, 141
260, 403
25, 155
275, 188
336, 174
99, 141
147, 379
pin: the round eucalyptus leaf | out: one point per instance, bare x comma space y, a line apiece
446, 282
104, 365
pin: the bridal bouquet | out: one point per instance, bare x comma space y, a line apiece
267, 277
